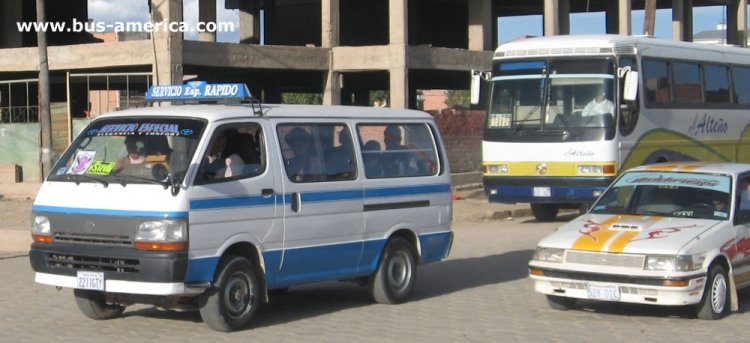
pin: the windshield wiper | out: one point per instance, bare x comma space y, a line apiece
124, 178
78, 177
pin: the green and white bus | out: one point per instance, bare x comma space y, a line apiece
567, 113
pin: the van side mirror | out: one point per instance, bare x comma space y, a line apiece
630, 86
476, 85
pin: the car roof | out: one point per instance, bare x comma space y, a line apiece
726, 168
215, 112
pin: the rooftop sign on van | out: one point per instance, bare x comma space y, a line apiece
199, 90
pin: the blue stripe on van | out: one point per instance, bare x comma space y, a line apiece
229, 202
107, 212
435, 246
321, 196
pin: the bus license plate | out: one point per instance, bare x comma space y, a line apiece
542, 192
603, 292
90, 280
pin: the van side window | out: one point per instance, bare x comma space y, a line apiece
398, 150
235, 151
317, 152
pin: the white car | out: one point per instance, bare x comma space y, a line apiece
663, 234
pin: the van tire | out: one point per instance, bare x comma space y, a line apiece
234, 298
396, 274
93, 305
715, 303
545, 212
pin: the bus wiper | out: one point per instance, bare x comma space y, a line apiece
520, 122
77, 178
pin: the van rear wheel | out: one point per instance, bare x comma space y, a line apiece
395, 277
233, 300
93, 305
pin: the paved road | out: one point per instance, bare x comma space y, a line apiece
480, 294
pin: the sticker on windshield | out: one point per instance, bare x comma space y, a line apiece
129, 129
714, 182
500, 120
101, 168
82, 162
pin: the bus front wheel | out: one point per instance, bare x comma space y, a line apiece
545, 212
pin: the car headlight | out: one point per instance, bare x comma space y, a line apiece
679, 263
162, 235
41, 230
555, 255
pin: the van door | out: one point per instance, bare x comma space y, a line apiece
233, 199
323, 220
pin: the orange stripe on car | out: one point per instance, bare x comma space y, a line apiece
626, 237
595, 235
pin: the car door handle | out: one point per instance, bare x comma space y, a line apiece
266, 192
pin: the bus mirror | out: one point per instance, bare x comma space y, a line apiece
630, 86
476, 85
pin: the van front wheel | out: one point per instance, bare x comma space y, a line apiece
93, 305
396, 274
233, 300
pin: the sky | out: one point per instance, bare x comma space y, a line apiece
705, 18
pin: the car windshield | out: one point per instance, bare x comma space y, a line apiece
130, 150
691, 195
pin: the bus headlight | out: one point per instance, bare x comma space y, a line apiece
497, 169
41, 230
555, 255
162, 235
679, 263
595, 169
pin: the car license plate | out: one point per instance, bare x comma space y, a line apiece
542, 192
603, 292
90, 280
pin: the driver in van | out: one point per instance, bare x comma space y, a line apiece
134, 162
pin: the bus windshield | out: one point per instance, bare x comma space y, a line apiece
552, 101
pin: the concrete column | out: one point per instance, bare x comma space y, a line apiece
249, 21
480, 25
329, 20
11, 12
737, 23
207, 14
167, 46
682, 20
332, 88
618, 17
556, 17
398, 33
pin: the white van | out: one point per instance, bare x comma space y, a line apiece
214, 205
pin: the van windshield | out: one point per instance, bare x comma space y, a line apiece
130, 150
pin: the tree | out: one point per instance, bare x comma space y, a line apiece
458, 98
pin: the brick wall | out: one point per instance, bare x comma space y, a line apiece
462, 134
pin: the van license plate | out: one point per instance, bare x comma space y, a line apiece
542, 192
603, 292
90, 280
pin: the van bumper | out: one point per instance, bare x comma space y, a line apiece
125, 269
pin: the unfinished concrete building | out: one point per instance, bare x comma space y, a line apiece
342, 50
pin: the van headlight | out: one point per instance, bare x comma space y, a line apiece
41, 230
168, 234
554, 255
671, 263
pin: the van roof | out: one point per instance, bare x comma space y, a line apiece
214, 112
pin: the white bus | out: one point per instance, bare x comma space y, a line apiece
567, 113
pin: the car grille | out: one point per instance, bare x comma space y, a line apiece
605, 259
79, 262
69, 237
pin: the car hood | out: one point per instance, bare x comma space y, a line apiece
628, 233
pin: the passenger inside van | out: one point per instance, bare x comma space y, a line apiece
218, 163
304, 166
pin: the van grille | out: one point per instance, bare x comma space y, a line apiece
605, 259
79, 262
69, 237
